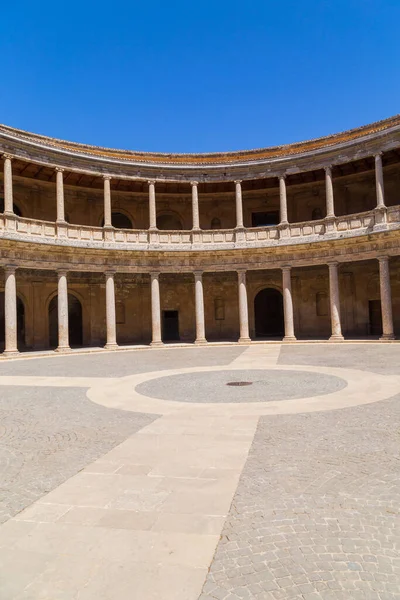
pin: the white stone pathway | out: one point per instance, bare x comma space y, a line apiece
143, 522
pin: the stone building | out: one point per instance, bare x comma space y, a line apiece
107, 247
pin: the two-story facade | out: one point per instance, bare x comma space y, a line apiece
112, 247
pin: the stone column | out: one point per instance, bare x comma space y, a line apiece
110, 312
288, 304
334, 297
63, 334
60, 195
239, 205
8, 185
199, 299
155, 310
243, 309
380, 193
10, 311
330, 206
195, 205
386, 299
283, 201
152, 205
107, 201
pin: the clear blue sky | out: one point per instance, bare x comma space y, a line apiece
185, 76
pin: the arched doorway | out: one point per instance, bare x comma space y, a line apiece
119, 221
169, 222
20, 322
268, 313
75, 325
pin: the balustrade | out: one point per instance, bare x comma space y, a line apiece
15, 227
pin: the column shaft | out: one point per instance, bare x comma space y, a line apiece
288, 304
10, 311
199, 299
107, 202
330, 205
63, 334
334, 297
8, 186
195, 206
110, 312
152, 205
155, 310
380, 194
243, 309
283, 200
386, 299
60, 195
239, 205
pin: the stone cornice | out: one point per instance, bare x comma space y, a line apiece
265, 162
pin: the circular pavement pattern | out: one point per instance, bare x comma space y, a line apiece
216, 386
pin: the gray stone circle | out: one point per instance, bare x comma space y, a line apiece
267, 385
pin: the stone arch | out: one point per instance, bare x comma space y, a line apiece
75, 319
169, 221
120, 219
268, 313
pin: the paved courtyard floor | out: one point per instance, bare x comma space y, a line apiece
212, 473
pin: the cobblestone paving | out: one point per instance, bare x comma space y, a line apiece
120, 364
49, 434
266, 385
316, 515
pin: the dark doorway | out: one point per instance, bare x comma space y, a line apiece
20, 323
169, 222
119, 221
170, 326
75, 323
375, 317
268, 313
264, 219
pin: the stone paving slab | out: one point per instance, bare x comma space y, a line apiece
49, 434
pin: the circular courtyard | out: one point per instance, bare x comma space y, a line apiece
151, 462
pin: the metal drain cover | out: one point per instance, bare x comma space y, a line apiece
239, 383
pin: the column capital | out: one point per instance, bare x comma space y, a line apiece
198, 273
194, 183
241, 271
282, 176
286, 268
9, 269
383, 258
332, 263
62, 272
378, 155
237, 181
328, 169
108, 272
8, 156
107, 177
151, 182
155, 274
59, 169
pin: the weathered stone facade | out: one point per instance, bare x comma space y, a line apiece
102, 247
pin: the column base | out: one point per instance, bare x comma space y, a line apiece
111, 346
63, 349
289, 338
200, 342
157, 344
336, 338
387, 336
10, 353
246, 340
